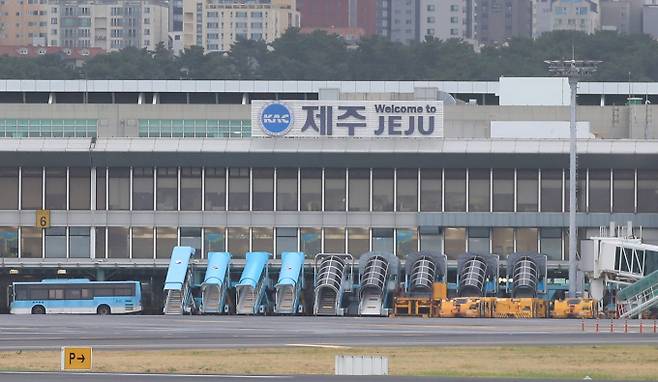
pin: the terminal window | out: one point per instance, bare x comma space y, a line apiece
48, 128
194, 128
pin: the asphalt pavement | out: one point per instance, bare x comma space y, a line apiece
169, 332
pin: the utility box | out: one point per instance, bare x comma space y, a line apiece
361, 365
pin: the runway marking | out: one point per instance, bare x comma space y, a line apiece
319, 346
204, 376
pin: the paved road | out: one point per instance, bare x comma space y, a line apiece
113, 377
164, 332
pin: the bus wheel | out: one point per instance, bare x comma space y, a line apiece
38, 309
103, 310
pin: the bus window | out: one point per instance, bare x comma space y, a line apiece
38, 294
103, 292
72, 294
122, 292
56, 294
85, 293
21, 293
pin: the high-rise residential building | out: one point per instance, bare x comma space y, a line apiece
443, 19
650, 18
576, 15
413, 20
23, 22
542, 17
216, 24
404, 20
108, 24
500, 20
623, 16
339, 15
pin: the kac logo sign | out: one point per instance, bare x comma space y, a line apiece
276, 119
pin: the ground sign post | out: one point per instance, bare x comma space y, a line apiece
76, 358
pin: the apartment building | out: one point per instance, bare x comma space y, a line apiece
576, 15
110, 25
217, 24
23, 22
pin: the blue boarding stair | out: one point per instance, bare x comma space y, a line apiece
251, 291
216, 284
178, 283
290, 284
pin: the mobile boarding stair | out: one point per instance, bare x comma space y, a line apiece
477, 275
288, 289
378, 279
216, 284
178, 283
526, 274
638, 297
424, 284
333, 275
422, 270
251, 291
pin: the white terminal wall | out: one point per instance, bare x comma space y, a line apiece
534, 91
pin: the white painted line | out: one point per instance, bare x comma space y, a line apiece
319, 346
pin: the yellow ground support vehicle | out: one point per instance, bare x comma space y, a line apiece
449, 308
520, 308
428, 306
476, 307
574, 308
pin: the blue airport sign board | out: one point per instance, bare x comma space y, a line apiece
393, 119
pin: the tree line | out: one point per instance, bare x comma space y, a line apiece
322, 56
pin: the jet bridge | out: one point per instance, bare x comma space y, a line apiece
617, 260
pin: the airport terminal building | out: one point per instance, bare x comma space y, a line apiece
101, 179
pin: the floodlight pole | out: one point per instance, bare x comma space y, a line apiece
572, 69
573, 229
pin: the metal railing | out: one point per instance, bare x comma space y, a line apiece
423, 274
524, 278
472, 277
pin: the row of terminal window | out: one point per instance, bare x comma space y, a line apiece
329, 189
158, 242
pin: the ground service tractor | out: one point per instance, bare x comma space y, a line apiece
574, 308
521, 308
476, 307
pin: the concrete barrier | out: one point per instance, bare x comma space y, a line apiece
361, 365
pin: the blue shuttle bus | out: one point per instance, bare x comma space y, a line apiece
76, 296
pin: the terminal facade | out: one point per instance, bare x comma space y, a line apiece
130, 169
